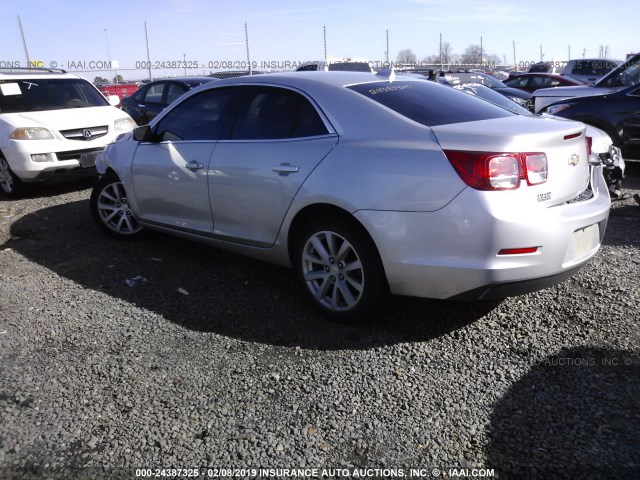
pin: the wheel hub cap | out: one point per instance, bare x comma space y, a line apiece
333, 271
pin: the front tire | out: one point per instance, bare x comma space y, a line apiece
339, 269
111, 210
10, 184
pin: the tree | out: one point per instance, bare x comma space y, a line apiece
100, 80
472, 55
406, 56
118, 79
447, 53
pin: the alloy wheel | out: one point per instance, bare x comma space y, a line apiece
332, 270
114, 210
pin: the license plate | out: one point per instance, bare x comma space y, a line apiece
88, 160
583, 241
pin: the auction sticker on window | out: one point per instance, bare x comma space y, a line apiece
10, 89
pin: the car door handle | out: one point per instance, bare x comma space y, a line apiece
285, 169
193, 165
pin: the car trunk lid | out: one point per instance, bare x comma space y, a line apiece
563, 143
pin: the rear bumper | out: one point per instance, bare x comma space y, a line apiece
521, 287
453, 252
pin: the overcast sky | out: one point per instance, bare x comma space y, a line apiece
65, 32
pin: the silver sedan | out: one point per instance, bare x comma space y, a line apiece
365, 184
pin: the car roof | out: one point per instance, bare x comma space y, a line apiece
26, 73
182, 79
300, 79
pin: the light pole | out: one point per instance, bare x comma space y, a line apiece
115, 71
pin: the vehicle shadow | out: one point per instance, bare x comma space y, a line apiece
573, 415
206, 289
53, 189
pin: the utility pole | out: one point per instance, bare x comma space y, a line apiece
246, 39
24, 43
515, 65
146, 38
481, 59
441, 66
324, 36
387, 52
569, 58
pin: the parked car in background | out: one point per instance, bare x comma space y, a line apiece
52, 126
457, 78
151, 98
617, 113
589, 70
338, 65
121, 90
623, 76
364, 185
221, 74
545, 67
530, 82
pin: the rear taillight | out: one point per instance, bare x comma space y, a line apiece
535, 168
498, 171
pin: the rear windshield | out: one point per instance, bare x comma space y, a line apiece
48, 94
429, 103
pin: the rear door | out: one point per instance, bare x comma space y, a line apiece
274, 142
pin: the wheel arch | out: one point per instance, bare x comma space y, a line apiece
325, 210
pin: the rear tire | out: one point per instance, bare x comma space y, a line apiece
111, 210
10, 184
339, 268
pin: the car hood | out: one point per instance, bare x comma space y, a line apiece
571, 92
66, 119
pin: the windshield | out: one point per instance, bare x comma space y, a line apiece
626, 75
429, 103
39, 94
482, 79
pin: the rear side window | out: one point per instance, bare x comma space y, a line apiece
269, 113
428, 103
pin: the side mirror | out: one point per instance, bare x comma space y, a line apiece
113, 100
144, 134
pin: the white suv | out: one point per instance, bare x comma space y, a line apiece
52, 126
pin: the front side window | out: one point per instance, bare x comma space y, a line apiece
39, 94
174, 91
428, 103
154, 93
200, 117
268, 113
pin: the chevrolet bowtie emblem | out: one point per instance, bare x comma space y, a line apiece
574, 159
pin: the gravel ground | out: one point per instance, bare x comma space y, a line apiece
168, 354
